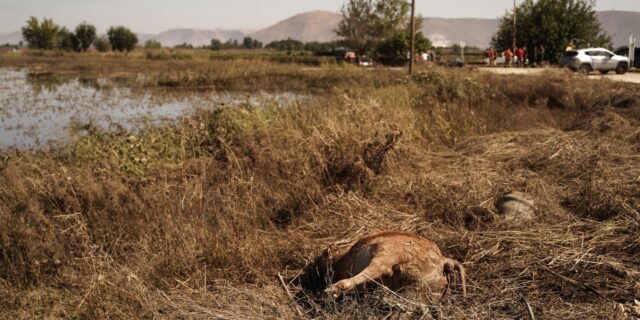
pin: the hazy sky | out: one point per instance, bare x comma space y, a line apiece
153, 16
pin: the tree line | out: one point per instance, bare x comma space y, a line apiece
318, 48
247, 43
48, 35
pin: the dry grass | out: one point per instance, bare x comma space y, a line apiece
198, 70
196, 220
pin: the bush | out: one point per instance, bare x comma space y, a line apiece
85, 35
67, 41
152, 44
102, 44
122, 39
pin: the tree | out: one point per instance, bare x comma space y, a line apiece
85, 35
392, 16
366, 23
102, 44
395, 48
122, 39
41, 35
247, 43
552, 23
67, 41
152, 44
250, 43
216, 45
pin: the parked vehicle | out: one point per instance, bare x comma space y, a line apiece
624, 51
365, 61
594, 59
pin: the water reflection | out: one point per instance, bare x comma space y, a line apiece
38, 109
40, 82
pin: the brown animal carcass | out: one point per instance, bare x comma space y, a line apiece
396, 260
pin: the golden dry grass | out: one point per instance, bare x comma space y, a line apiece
196, 220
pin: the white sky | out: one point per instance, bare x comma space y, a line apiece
153, 16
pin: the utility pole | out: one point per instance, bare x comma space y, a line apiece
515, 19
412, 55
632, 51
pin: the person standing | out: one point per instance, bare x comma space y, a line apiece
520, 53
541, 53
492, 57
508, 56
570, 46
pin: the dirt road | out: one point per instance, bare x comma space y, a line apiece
628, 77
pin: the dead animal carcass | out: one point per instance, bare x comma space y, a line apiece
395, 260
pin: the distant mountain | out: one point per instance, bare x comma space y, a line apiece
444, 32
11, 38
321, 25
306, 27
620, 25
194, 37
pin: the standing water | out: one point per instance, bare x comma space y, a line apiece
36, 110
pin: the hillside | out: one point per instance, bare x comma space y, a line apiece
320, 26
11, 38
194, 37
309, 26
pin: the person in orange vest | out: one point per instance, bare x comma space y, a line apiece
492, 57
508, 56
570, 46
520, 53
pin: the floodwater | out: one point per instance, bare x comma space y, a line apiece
41, 110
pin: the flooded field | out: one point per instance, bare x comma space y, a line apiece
42, 109
223, 213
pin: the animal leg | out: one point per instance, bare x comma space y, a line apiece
450, 266
375, 270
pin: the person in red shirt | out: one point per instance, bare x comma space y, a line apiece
520, 53
492, 57
508, 56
